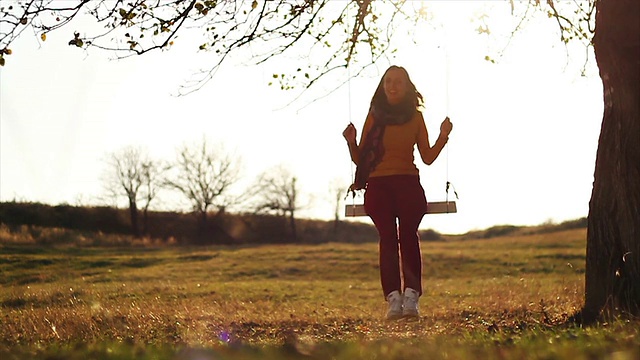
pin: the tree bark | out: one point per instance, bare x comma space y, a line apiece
202, 236
133, 213
612, 280
292, 225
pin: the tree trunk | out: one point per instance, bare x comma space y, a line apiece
145, 221
612, 281
336, 217
292, 226
133, 213
202, 236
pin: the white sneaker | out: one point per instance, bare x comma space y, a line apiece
410, 303
394, 299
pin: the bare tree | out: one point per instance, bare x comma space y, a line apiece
133, 174
153, 172
337, 192
277, 192
205, 176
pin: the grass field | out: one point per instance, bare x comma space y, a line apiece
502, 298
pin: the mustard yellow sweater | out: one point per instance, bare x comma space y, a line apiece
398, 142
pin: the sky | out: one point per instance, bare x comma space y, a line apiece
522, 150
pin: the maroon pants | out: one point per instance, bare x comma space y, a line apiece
401, 198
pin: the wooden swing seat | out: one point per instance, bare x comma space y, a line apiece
436, 207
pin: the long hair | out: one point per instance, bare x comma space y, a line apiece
412, 97
372, 149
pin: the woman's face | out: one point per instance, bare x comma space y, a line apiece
395, 86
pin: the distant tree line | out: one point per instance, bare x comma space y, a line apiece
206, 177
182, 228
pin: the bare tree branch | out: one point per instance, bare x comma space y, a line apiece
137, 27
277, 192
204, 175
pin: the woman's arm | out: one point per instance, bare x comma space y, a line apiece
350, 135
430, 153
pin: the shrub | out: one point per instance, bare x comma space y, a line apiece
499, 230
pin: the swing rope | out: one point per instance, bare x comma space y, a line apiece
446, 82
353, 176
446, 74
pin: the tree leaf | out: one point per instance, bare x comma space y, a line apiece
43, 36
254, 4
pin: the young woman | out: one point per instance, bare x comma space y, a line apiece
387, 172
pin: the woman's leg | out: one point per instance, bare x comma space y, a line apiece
379, 204
411, 209
411, 253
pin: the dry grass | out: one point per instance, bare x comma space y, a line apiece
477, 292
